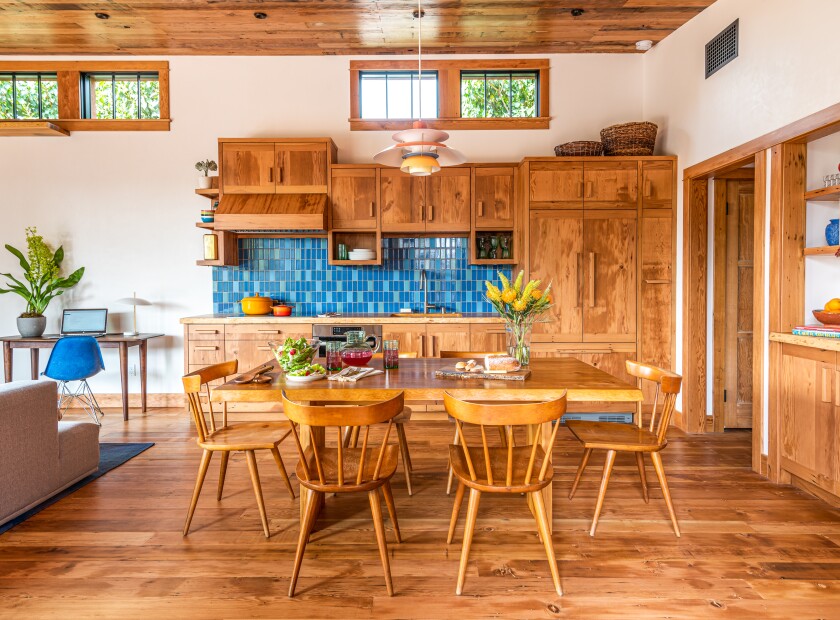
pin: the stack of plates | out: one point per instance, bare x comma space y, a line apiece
361, 254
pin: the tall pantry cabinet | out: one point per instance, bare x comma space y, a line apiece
601, 229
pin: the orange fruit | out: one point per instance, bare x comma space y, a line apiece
833, 305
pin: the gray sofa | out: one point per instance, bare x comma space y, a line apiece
39, 456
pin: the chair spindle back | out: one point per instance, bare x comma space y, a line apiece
193, 383
667, 385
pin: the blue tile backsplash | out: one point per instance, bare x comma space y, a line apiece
296, 271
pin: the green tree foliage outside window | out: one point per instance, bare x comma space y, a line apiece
498, 95
124, 96
20, 95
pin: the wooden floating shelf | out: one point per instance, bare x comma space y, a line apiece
826, 250
205, 225
213, 192
824, 193
355, 263
494, 261
31, 128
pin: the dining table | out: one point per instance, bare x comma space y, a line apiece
549, 378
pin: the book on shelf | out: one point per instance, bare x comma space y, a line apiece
821, 331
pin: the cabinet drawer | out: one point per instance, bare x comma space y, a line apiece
267, 331
206, 332
204, 354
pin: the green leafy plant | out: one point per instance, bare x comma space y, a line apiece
208, 165
42, 272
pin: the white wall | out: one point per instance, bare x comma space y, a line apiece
122, 203
785, 71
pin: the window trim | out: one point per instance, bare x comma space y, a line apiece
449, 94
69, 92
510, 75
40, 75
390, 72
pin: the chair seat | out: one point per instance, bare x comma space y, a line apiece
351, 458
613, 436
498, 463
247, 436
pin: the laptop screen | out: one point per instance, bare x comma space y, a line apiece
84, 321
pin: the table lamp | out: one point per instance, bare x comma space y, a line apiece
133, 301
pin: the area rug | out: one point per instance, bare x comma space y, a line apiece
111, 456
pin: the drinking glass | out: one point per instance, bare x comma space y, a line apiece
505, 241
494, 246
827, 180
333, 355
391, 354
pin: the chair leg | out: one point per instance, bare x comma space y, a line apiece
199, 481
354, 437
602, 492
279, 460
376, 510
640, 462
666, 493
303, 538
545, 534
404, 439
456, 510
392, 509
583, 462
451, 472
406, 459
94, 410
222, 472
469, 528
255, 480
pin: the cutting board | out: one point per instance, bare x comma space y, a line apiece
450, 372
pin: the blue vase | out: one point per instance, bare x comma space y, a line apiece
832, 232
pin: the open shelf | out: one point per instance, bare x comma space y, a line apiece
208, 193
369, 239
31, 128
824, 193
474, 250
205, 225
826, 250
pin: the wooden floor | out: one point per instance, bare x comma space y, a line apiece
114, 549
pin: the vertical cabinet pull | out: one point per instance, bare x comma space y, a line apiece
592, 279
580, 190
271, 175
647, 188
372, 207
480, 208
423, 346
579, 282
589, 187
837, 388
422, 213
431, 213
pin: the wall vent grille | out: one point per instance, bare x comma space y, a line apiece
722, 50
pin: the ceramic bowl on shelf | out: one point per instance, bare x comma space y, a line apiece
827, 318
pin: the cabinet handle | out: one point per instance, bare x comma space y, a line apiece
579, 279
837, 388
648, 187
657, 281
205, 331
592, 279
431, 213
826, 385
480, 208
271, 175
372, 206
423, 345
269, 331
434, 346
580, 190
263, 348
589, 187
501, 331
422, 213
280, 173
206, 348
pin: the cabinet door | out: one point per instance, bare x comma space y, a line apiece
247, 168
657, 185
401, 198
609, 267
555, 185
249, 353
205, 352
611, 185
447, 337
448, 202
488, 338
301, 168
556, 256
493, 197
412, 336
353, 197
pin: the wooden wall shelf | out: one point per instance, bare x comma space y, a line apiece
208, 193
826, 250
31, 128
824, 193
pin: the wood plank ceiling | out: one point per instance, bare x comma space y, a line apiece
314, 27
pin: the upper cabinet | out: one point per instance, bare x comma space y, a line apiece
610, 185
438, 203
658, 184
583, 185
354, 198
401, 198
493, 197
448, 204
276, 166
555, 185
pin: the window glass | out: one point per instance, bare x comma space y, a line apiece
499, 94
28, 96
121, 96
397, 94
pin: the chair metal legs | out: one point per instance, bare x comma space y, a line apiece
84, 395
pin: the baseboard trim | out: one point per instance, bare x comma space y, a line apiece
763, 467
153, 401
813, 489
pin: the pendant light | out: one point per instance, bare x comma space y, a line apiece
419, 151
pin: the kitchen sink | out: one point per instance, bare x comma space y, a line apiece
428, 314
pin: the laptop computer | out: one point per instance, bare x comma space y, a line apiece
82, 322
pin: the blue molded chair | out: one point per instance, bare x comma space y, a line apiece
76, 358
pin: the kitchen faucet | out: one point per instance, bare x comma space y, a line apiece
424, 282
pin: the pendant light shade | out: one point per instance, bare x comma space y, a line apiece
420, 164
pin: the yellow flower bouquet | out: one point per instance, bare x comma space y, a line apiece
520, 307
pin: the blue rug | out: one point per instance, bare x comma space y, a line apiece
111, 456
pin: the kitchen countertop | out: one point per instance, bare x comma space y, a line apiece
344, 319
826, 344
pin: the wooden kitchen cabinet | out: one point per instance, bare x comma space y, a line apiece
247, 168
412, 336
488, 338
610, 185
402, 198
439, 203
658, 184
249, 353
555, 185
301, 167
354, 198
447, 337
493, 197
448, 204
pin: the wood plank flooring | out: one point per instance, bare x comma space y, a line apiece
114, 549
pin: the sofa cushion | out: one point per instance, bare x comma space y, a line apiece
78, 451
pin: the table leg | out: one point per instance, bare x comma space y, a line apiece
307, 435
143, 375
34, 363
542, 433
124, 378
7, 362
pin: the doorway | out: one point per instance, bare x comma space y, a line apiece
733, 205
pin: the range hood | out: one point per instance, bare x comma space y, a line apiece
247, 212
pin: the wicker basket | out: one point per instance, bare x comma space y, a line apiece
629, 139
579, 149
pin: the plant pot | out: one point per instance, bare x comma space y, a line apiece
205, 182
832, 232
31, 327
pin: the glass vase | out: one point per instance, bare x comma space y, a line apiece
519, 341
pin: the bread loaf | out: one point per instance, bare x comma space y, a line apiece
501, 362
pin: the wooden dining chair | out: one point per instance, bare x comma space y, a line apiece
508, 469
245, 437
467, 355
616, 438
325, 470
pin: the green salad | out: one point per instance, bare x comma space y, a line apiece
309, 369
295, 355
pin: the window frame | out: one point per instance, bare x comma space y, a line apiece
388, 73
39, 75
449, 94
70, 92
87, 94
472, 73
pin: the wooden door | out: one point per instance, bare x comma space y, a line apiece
488, 338
412, 336
609, 282
448, 202
556, 256
493, 197
610, 185
401, 199
301, 168
447, 337
555, 185
247, 168
657, 184
354, 198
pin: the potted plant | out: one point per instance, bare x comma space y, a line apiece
519, 307
206, 166
42, 272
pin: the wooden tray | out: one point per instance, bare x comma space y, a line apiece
450, 372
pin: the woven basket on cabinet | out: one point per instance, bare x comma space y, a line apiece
581, 148
629, 139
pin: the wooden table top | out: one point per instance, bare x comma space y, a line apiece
416, 378
107, 338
